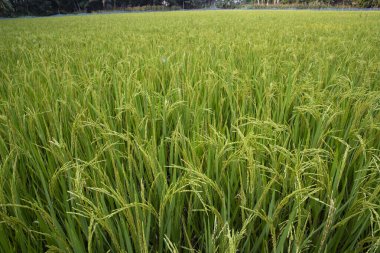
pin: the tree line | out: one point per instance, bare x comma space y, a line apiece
50, 7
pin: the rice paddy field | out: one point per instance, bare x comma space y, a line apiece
208, 131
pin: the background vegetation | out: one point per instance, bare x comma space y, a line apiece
191, 132
49, 7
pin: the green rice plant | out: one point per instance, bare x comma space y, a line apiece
217, 131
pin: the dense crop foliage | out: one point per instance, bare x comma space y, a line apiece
200, 131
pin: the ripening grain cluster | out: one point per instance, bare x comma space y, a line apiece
209, 131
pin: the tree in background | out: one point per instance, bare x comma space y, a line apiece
6, 8
49, 7
34, 7
369, 3
228, 4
